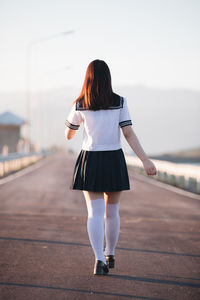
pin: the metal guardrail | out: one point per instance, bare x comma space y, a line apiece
16, 161
184, 176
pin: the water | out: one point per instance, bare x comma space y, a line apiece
193, 163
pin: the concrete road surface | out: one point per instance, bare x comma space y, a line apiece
45, 251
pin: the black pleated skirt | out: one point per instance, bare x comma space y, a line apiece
100, 171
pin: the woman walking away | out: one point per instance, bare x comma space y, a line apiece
100, 170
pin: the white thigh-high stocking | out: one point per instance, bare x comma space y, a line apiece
95, 226
112, 227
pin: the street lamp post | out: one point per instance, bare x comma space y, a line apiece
28, 84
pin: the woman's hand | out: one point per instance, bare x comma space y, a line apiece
149, 167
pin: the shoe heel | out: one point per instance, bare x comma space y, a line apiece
99, 271
110, 261
100, 268
111, 264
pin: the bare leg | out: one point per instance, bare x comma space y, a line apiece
92, 195
95, 223
112, 221
112, 197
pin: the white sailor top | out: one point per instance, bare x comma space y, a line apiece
101, 127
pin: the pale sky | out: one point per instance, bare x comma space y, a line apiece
145, 42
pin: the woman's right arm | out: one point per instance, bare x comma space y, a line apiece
69, 133
137, 148
72, 122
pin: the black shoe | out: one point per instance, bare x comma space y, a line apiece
110, 261
100, 268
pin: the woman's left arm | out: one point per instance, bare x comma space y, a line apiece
133, 141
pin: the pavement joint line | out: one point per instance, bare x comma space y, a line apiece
154, 280
79, 290
186, 278
163, 185
25, 170
160, 252
87, 245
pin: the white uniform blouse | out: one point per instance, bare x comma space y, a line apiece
101, 127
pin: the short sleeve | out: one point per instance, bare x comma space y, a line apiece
124, 117
74, 118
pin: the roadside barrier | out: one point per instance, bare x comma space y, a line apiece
184, 176
16, 161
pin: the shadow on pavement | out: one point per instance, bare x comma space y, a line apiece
153, 280
79, 290
88, 245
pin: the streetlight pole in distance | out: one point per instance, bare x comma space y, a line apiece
28, 84
41, 120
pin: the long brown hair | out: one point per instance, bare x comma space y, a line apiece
97, 90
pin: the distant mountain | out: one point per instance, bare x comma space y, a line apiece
188, 155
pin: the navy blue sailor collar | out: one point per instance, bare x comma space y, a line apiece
79, 105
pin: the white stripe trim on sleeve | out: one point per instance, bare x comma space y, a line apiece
125, 123
71, 126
